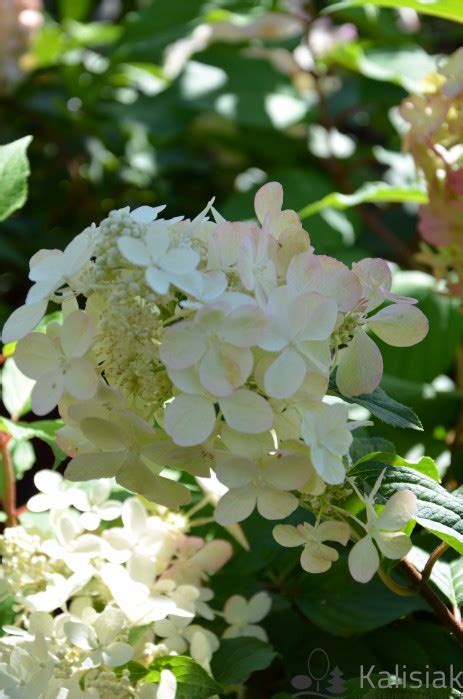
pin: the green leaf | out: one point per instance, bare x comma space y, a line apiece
193, 682
40, 429
447, 576
74, 9
343, 607
14, 171
16, 390
438, 511
407, 66
447, 9
383, 407
369, 193
137, 670
425, 465
238, 658
361, 446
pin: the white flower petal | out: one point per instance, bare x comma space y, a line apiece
224, 368
180, 260
23, 320
47, 392
394, 545
398, 510
235, 506
288, 536
81, 380
285, 375
146, 214
134, 251
76, 334
268, 200
117, 653
158, 280
318, 560
247, 412
258, 607
363, 560
275, 504
400, 325
36, 355
360, 366
134, 517
189, 419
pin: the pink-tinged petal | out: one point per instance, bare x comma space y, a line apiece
320, 315
304, 272
363, 560
47, 392
213, 556
224, 368
285, 375
182, 346
76, 334
375, 277
23, 320
134, 251
245, 326
189, 419
398, 510
394, 545
247, 412
180, 261
81, 380
360, 366
400, 325
268, 201
339, 283
225, 244
36, 355
235, 506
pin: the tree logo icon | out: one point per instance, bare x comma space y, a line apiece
321, 680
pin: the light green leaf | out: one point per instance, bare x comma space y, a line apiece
438, 511
193, 682
384, 407
14, 171
407, 66
425, 465
40, 429
447, 9
238, 658
16, 390
361, 446
369, 193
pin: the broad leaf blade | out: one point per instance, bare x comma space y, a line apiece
14, 171
438, 511
238, 658
193, 682
447, 9
370, 193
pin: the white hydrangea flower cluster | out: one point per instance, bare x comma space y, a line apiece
205, 344
89, 598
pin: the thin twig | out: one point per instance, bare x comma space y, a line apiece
437, 605
435, 555
9, 499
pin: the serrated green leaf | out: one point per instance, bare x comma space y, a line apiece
193, 682
361, 446
382, 406
14, 171
425, 465
447, 9
438, 511
370, 193
238, 658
